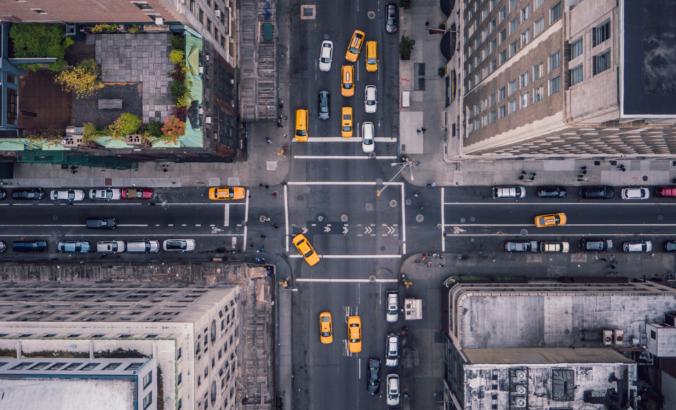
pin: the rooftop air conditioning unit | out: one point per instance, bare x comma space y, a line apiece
218, 13
520, 375
72, 141
207, 120
520, 390
618, 337
159, 21
519, 402
607, 337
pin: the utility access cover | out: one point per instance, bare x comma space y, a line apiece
308, 11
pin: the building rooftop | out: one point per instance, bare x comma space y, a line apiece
545, 356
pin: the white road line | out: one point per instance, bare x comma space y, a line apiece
443, 241
105, 204
324, 157
344, 280
65, 225
121, 235
554, 203
385, 140
246, 221
555, 235
286, 218
383, 256
201, 203
403, 218
233, 242
343, 183
566, 225
226, 215
359, 367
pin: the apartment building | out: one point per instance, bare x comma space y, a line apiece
562, 78
215, 20
187, 337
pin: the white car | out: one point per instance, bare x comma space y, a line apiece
110, 247
368, 144
392, 350
392, 389
67, 195
370, 100
104, 193
178, 245
392, 314
635, 193
326, 56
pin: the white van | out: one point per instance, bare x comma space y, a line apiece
143, 246
509, 192
110, 247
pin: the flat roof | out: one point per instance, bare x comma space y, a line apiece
649, 58
545, 355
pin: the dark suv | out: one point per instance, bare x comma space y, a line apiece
324, 103
596, 245
28, 194
391, 22
552, 192
373, 377
596, 192
102, 223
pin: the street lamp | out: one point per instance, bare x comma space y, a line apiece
406, 163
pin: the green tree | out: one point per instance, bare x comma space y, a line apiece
82, 80
177, 57
40, 40
406, 47
124, 125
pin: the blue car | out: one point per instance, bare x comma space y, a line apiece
73, 247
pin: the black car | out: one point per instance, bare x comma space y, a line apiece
102, 223
596, 245
29, 246
373, 377
28, 194
596, 192
670, 246
324, 103
392, 20
552, 192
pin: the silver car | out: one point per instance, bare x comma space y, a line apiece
392, 314
178, 245
370, 99
110, 194
392, 389
392, 350
110, 247
326, 56
69, 195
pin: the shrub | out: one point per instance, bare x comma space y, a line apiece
154, 129
184, 100
173, 128
177, 88
177, 57
178, 42
81, 80
89, 131
134, 29
124, 125
40, 40
104, 28
406, 47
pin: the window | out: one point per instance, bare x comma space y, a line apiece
147, 379
525, 37
502, 15
576, 75
513, 25
492, 116
538, 94
537, 71
513, 48
512, 106
148, 400
653, 334
555, 13
538, 26
502, 93
143, 5
525, 13
503, 56
576, 48
537, 4
554, 61
502, 111
492, 100
601, 62
503, 35
513, 4
39, 11
600, 33
554, 85
179, 379
523, 79
524, 100
512, 87
179, 353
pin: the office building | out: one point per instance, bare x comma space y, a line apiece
561, 77
186, 337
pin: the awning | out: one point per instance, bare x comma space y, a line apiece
447, 6
448, 43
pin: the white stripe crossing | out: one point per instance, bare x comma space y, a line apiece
66, 225
387, 140
246, 220
347, 157
341, 183
383, 256
226, 215
125, 235
344, 280
403, 219
286, 218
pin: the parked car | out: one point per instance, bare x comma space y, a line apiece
637, 246
325, 328
666, 191
101, 223
552, 192
326, 56
368, 145
227, 193
179, 245
596, 245
596, 192
373, 376
3, 246
509, 192
143, 246
392, 18
392, 350
354, 334
29, 246
324, 104
3, 194
550, 220
521, 246
303, 246
635, 193
554, 247
670, 246
137, 193
28, 194
73, 247
109, 194
370, 99
392, 313
110, 247
392, 390
69, 195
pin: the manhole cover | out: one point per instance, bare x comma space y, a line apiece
372, 278
524, 232
371, 14
419, 218
393, 203
462, 220
344, 218
472, 219
320, 217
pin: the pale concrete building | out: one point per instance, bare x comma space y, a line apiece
191, 334
562, 78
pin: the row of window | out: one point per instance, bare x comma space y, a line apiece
600, 63
600, 34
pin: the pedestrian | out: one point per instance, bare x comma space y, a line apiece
416, 194
267, 186
263, 236
423, 129
275, 226
268, 140
274, 194
260, 185
427, 23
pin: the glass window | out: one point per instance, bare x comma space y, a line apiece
513, 4
503, 56
537, 4
512, 106
601, 62
538, 26
502, 111
513, 25
555, 61
537, 94
502, 15
554, 85
147, 379
503, 35
513, 48
601, 33
537, 71
524, 100
525, 37
523, 79
502, 93
148, 400
576, 48
512, 87
525, 13
555, 13
576, 75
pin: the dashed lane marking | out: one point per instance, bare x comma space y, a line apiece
347, 157
383, 256
344, 280
387, 140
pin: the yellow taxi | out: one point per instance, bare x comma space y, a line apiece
354, 46
346, 122
354, 334
303, 246
347, 81
371, 56
302, 116
325, 328
226, 193
549, 220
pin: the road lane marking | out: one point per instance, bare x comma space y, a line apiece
383, 256
226, 215
246, 221
386, 140
403, 218
344, 183
344, 280
443, 241
286, 218
568, 225
65, 225
555, 235
553, 203
325, 157
75, 235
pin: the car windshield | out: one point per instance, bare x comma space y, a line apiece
175, 245
368, 141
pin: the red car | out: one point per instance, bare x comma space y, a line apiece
137, 193
666, 191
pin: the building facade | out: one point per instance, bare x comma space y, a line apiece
191, 333
561, 78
